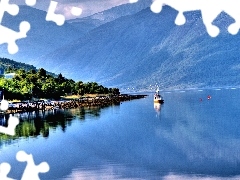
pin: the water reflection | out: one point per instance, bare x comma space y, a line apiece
157, 107
34, 124
194, 140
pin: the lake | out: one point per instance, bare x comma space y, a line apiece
187, 137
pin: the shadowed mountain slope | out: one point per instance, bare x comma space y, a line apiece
143, 49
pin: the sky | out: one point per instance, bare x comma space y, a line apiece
64, 6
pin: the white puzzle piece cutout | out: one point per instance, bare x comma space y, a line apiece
12, 9
133, 1
209, 10
4, 105
30, 2
8, 35
4, 170
31, 171
76, 11
12, 123
59, 19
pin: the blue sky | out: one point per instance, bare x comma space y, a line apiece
88, 6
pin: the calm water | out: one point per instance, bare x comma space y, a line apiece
185, 138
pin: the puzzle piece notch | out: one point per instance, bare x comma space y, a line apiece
4, 170
181, 7
30, 2
59, 19
31, 171
12, 123
210, 10
233, 28
180, 19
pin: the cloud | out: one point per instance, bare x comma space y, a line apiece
66, 10
88, 6
64, 6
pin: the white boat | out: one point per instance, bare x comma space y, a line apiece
157, 97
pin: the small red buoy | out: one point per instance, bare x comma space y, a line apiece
209, 97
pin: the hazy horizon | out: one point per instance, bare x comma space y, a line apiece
89, 7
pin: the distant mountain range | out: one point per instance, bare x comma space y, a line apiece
11, 65
43, 37
134, 50
89, 23
8, 63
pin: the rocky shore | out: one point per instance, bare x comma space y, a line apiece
69, 104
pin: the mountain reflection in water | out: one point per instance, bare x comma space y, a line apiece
188, 139
34, 124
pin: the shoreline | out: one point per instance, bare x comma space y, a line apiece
42, 105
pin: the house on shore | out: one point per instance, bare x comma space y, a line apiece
9, 75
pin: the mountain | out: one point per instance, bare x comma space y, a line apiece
11, 65
45, 37
145, 48
89, 23
42, 38
8, 63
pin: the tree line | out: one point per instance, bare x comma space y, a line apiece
39, 84
9, 65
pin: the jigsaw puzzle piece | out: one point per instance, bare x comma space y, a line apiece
30, 2
51, 16
4, 170
9, 36
180, 19
232, 9
12, 9
76, 11
59, 19
133, 1
233, 28
31, 171
4, 105
156, 6
208, 16
12, 123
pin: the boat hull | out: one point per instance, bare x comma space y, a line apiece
158, 101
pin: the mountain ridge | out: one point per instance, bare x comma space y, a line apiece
88, 23
43, 37
143, 48
11, 65
147, 48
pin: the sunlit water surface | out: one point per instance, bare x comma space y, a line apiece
188, 137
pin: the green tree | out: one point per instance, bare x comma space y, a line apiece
42, 72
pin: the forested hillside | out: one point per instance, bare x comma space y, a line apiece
9, 65
143, 49
30, 82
